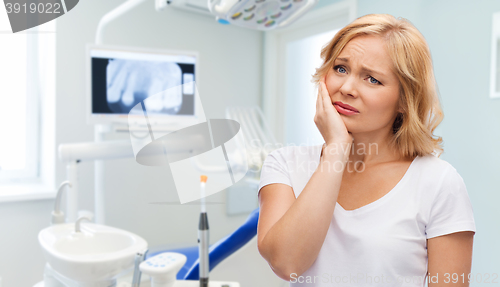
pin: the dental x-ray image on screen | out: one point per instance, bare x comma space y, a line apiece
130, 81
121, 78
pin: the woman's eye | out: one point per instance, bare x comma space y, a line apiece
340, 69
374, 81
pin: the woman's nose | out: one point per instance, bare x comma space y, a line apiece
348, 88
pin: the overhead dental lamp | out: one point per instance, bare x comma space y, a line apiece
253, 14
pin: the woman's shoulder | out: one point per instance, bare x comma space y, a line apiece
436, 168
431, 161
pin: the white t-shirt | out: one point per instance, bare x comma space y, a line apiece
382, 243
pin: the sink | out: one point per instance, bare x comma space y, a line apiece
97, 253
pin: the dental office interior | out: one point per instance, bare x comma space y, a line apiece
80, 207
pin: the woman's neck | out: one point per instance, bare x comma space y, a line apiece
370, 148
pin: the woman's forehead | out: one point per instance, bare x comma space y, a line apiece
369, 52
368, 47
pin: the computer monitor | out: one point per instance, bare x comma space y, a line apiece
119, 78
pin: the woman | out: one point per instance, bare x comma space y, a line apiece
378, 208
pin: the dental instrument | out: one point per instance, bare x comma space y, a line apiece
203, 236
139, 258
163, 268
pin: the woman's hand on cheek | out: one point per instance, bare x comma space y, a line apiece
328, 120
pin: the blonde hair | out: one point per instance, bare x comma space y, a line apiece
413, 129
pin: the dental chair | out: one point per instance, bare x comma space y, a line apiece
236, 257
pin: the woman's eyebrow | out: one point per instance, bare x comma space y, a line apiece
363, 68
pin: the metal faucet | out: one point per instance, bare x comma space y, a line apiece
77, 223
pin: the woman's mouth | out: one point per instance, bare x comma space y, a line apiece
343, 110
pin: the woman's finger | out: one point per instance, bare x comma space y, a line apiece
319, 100
326, 101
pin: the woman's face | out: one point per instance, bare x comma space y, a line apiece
362, 77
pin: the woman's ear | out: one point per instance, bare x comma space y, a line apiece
400, 110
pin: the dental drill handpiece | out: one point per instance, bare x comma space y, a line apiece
139, 258
203, 236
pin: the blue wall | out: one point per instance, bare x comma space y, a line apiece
459, 37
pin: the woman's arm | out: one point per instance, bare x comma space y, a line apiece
450, 259
291, 231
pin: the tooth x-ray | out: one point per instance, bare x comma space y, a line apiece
122, 79
129, 82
